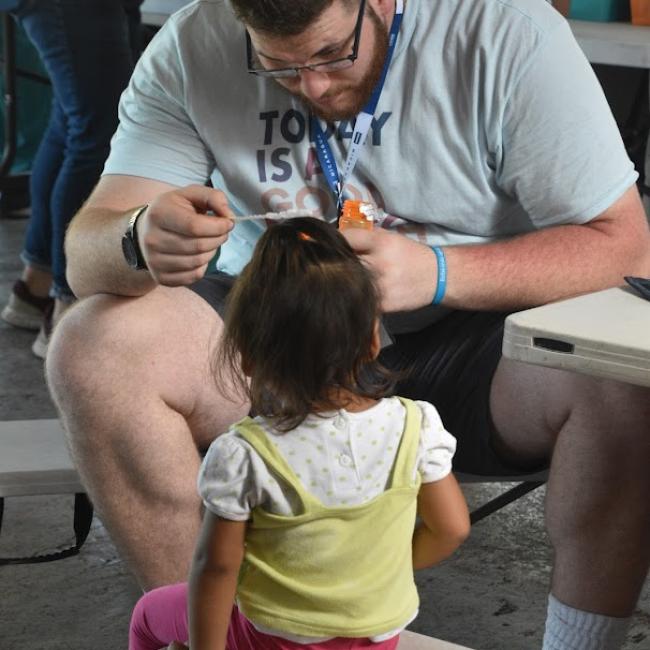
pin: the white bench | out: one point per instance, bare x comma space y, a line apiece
34, 460
412, 641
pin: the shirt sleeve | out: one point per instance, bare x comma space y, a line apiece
437, 446
562, 154
226, 481
156, 137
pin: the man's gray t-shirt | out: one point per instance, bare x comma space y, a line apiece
491, 123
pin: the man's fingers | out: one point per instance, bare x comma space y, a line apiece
175, 243
181, 231
191, 224
362, 241
185, 212
181, 264
180, 279
207, 198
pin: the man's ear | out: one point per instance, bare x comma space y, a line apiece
384, 9
375, 343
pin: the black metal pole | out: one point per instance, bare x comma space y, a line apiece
9, 34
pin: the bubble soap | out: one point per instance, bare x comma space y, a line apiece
278, 216
357, 214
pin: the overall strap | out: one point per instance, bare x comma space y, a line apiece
404, 465
255, 435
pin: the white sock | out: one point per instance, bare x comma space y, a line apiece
573, 629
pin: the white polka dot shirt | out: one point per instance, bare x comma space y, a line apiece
341, 458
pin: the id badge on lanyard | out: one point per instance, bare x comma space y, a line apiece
362, 125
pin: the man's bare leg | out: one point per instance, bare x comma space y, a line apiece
597, 504
131, 378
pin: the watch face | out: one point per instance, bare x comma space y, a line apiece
128, 250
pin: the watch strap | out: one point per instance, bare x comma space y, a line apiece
132, 235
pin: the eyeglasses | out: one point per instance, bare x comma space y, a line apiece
326, 66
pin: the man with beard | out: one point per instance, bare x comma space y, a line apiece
491, 141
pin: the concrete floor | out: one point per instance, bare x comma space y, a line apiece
491, 595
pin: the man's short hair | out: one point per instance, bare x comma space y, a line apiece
282, 17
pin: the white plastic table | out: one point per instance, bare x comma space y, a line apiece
604, 334
156, 12
613, 43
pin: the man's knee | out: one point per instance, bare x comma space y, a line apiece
534, 408
82, 344
112, 355
616, 410
599, 467
551, 399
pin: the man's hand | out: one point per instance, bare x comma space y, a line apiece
514, 273
176, 236
405, 270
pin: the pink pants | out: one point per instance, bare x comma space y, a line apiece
160, 617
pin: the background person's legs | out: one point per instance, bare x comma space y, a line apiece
597, 505
87, 49
132, 380
37, 253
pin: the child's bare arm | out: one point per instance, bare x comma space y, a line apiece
444, 522
213, 581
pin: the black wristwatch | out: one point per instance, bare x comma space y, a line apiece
130, 245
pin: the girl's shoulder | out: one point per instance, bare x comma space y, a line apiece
229, 442
225, 449
230, 450
430, 415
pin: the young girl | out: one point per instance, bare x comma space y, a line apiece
310, 505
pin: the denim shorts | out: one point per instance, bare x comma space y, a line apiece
449, 363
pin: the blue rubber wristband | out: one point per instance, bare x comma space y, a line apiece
441, 284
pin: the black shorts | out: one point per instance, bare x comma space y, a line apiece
214, 290
449, 363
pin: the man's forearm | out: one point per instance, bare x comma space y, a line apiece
548, 265
524, 271
94, 258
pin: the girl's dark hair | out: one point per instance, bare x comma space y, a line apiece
281, 17
300, 322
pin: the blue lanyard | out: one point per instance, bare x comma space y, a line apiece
362, 124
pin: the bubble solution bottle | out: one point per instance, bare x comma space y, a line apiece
357, 214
